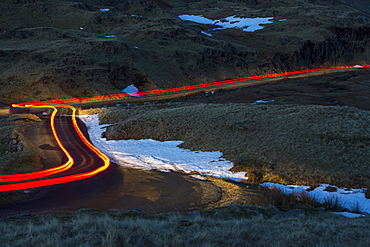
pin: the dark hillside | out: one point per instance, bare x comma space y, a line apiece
62, 49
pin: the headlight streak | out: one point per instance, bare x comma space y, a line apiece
23, 179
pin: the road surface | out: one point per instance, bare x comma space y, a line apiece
115, 188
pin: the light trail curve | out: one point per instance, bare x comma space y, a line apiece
46, 172
24, 184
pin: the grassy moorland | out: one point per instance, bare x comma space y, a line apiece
282, 141
313, 130
312, 133
227, 226
277, 143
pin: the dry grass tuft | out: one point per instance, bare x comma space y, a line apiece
276, 197
242, 226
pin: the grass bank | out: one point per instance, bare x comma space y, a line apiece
290, 144
17, 153
227, 226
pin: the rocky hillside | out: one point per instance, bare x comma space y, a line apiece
72, 48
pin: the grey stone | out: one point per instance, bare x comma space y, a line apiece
19, 147
13, 142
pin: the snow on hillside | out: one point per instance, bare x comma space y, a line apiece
246, 24
131, 89
167, 156
351, 199
163, 156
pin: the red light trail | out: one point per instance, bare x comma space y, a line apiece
199, 86
44, 173
40, 178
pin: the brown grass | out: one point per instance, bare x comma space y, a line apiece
25, 160
13, 162
276, 197
228, 226
279, 143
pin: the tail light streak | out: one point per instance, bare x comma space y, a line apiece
52, 171
22, 181
46, 172
199, 86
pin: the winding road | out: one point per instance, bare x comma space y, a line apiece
77, 175
115, 188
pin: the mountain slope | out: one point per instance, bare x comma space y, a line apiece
63, 49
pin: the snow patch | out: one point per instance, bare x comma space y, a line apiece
198, 19
104, 10
349, 215
163, 156
205, 33
131, 90
262, 102
351, 199
246, 24
110, 36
